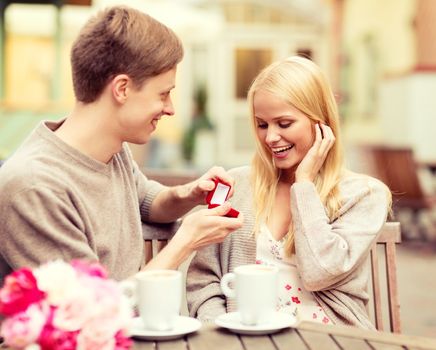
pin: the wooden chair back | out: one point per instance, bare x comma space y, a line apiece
156, 237
390, 235
396, 167
170, 178
152, 247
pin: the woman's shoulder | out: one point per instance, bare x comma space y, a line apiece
242, 172
356, 184
242, 187
351, 178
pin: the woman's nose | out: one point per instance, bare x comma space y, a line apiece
272, 135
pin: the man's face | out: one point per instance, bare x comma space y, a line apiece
145, 106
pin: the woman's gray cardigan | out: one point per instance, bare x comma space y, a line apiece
332, 255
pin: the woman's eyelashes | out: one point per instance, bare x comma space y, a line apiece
285, 125
281, 124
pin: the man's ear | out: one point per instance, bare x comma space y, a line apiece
120, 87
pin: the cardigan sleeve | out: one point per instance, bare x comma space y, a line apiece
328, 252
203, 291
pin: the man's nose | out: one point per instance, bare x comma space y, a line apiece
169, 108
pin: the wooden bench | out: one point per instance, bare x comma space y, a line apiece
156, 237
390, 235
171, 178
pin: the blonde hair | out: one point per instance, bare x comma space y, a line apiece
301, 83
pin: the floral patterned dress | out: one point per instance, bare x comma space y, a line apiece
293, 298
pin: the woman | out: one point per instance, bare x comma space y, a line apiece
304, 212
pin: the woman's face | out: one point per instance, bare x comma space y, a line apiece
285, 131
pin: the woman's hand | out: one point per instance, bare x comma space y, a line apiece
315, 157
197, 190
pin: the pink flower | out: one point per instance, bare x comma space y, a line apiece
105, 292
73, 312
97, 336
52, 338
60, 306
122, 342
24, 328
19, 291
89, 268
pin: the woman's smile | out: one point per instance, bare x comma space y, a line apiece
281, 152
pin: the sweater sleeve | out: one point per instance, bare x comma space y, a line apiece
328, 252
203, 291
147, 191
41, 225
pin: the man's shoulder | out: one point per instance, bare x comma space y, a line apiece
20, 173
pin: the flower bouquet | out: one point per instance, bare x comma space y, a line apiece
61, 306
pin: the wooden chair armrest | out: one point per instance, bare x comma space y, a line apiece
155, 231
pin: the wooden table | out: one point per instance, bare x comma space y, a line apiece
307, 336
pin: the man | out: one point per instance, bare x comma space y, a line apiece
72, 189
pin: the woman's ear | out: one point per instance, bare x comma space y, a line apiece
120, 87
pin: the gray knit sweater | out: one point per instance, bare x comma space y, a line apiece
332, 255
57, 203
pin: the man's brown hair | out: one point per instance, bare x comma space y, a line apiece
121, 40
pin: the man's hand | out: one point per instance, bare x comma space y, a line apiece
196, 191
207, 226
199, 229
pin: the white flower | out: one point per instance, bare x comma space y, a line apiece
58, 279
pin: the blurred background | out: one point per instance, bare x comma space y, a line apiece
380, 57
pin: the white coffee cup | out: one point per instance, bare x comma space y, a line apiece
255, 290
158, 296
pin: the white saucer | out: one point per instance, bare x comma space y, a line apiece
232, 321
183, 325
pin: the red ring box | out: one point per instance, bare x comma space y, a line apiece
219, 195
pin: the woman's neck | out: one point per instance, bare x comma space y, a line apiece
286, 177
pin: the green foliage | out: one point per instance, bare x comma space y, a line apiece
200, 121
